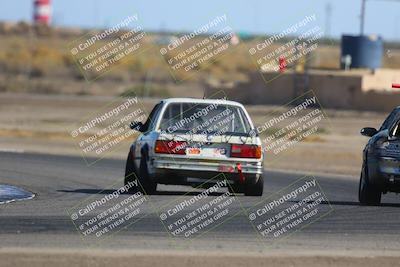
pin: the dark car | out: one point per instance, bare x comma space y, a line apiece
380, 171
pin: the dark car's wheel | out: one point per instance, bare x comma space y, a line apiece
367, 193
147, 185
130, 173
236, 188
255, 189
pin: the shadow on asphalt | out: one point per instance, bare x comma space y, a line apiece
160, 193
353, 203
191, 193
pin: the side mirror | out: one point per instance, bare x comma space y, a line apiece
136, 125
368, 131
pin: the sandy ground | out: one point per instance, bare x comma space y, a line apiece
42, 123
51, 257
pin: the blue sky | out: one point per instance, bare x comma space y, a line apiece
253, 16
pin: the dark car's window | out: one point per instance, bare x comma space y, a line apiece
396, 130
393, 117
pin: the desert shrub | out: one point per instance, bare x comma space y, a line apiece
146, 91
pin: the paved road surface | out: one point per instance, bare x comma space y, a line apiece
62, 182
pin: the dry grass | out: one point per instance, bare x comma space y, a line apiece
47, 60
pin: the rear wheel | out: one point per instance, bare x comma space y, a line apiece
367, 193
236, 188
255, 189
147, 185
130, 173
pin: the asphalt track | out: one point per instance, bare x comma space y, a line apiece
62, 182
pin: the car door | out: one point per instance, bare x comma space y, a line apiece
146, 139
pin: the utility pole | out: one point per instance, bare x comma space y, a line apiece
328, 10
362, 17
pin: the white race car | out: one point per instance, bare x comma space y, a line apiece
197, 142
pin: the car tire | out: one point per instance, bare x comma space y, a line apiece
255, 189
236, 188
367, 193
147, 185
130, 173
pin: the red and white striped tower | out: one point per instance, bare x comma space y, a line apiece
42, 12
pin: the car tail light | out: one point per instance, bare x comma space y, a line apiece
245, 151
170, 147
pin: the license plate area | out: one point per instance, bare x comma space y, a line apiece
208, 152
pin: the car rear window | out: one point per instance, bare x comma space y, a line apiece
207, 118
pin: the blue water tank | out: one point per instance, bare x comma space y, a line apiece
364, 51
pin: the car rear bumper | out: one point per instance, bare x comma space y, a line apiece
384, 172
253, 167
390, 166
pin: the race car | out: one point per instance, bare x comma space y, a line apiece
197, 142
380, 171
